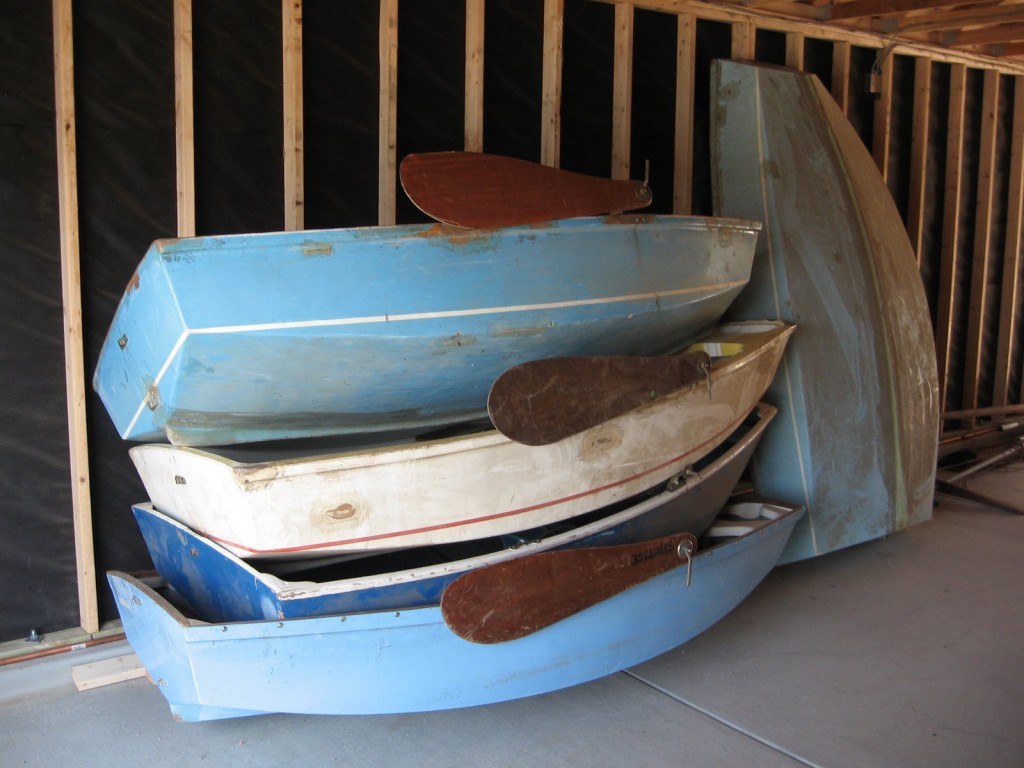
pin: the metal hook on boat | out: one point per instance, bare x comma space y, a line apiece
706, 367
685, 552
680, 478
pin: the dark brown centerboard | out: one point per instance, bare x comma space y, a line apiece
515, 598
475, 189
543, 401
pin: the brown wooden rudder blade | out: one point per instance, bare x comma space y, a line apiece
515, 598
474, 189
543, 401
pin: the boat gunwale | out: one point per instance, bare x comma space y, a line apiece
166, 246
198, 631
290, 591
248, 474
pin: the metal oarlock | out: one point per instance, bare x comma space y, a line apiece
685, 552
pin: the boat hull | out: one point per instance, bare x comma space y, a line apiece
222, 587
458, 488
222, 340
410, 661
857, 390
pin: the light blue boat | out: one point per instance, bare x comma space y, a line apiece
857, 390
222, 587
222, 340
410, 661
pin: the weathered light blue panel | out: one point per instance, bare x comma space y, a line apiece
857, 392
241, 338
222, 587
409, 661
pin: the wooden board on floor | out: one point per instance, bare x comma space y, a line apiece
118, 669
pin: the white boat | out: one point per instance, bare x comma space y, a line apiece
457, 488
221, 587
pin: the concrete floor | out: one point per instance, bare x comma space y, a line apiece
904, 651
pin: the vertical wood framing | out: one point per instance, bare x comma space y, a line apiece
686, 58
982, 239
795, 50
387, 162
950, 223
882, 131
841, 74
551, 84
1006, 342
184, 119
473, 132
71, 284
291, 69
622, 90
743, 38
919, 153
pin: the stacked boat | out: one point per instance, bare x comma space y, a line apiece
327, 454
396, 469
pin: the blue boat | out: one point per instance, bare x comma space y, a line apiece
223, 587
242, 338
857, 390
410, 661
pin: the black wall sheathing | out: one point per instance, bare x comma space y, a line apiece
238, 107
587, 45
818, 60
37, 551
124, 94
901, 131
431, 83
965, 249
513, 78
652, 129
341, 102
860, 106
126, 174
930, 257
714, 41
770, 47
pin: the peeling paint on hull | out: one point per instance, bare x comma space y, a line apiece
280, 335
409, 661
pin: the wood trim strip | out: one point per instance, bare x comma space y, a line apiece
473, 131
841, 75
744, 35
950, 224
981, 255
387, 160
184, 119
795, 50
292, 113
919, 153
1006, 342
551, 84
686, 69
881, 134
71, 286
622, 90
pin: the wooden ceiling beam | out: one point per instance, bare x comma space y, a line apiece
860, 9
959, 19
1006, 49
1000, 33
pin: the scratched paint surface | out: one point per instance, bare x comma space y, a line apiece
255, 337
856, 435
